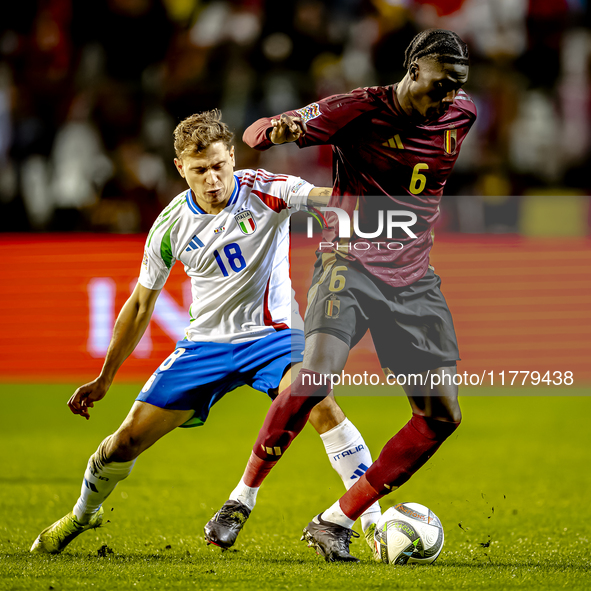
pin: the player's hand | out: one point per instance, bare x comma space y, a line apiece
85, 397
287, 129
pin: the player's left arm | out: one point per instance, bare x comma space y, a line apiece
131, 323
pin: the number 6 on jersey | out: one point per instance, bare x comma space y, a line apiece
418, 180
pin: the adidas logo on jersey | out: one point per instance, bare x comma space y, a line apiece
194, 244
394, 142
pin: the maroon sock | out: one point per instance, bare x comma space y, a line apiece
401, 457
288, 414
256, 471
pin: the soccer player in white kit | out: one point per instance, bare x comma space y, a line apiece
230, 230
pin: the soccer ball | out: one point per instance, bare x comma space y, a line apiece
408, 533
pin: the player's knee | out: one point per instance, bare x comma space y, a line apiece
451, 414
125, 446
435, 428
449, 411
326, 415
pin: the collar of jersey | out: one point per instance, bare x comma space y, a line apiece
196, 209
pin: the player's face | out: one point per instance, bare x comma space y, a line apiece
210, 174
434, 87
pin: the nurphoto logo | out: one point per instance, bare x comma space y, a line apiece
388, 220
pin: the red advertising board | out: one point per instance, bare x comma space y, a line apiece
518, 304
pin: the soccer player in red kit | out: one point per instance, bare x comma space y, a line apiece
393, 149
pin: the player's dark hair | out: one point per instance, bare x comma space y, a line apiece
444, 46
197, 132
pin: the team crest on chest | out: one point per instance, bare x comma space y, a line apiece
245, 221
450, 141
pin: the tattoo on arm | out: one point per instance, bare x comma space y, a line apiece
319, 196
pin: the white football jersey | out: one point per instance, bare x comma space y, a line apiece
237, 260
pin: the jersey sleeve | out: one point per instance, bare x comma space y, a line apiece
324, 119
280, 192
297, 193
158, 258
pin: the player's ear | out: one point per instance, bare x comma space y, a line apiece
232, 155
413, 71
179, 166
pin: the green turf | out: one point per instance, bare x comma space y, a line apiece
511, 487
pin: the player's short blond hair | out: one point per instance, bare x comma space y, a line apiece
197, 132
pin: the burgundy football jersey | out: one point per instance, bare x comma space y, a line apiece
383, 162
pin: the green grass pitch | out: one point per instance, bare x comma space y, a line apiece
511, 487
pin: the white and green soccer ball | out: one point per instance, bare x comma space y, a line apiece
408, 533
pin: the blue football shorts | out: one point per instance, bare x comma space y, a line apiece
198, 374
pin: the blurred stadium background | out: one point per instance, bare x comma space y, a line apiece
91, 92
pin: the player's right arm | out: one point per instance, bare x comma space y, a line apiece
316, 124
269, 131
286, 129
129, 329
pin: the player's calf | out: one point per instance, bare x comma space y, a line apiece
407, 451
